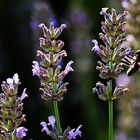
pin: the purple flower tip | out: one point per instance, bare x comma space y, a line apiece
12, 81
42, 25
15, 78
96, 48
45, 128
51, 25
72, 134
24, 95
68, 68
21, 132
123, 80
128, 51
36, 68
51, 120
125, 4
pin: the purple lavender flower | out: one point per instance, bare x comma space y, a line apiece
24, 95
130, 38
12, 81
72, 134
96, 48
36, 68
125, 4
21, 132
45, 128
16, 78
68, 68
123, 80
51, 120
128, 51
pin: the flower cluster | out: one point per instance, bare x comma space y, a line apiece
51, 78
11, 110
52, 131
111, 53
49, 69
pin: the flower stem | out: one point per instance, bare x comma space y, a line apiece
56, 112
57, 117
110, 102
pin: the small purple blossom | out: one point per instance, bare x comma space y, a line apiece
128, 51
21, 132
36, 68
10, 83
51, 120
15, 78
125, 4
24, 95
96, 48
72, 134
130, 38
45, 128
123, 80
68, 68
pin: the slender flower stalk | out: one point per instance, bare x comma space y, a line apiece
111, 54
110, 102
56, 112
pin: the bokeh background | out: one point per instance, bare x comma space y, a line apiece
19, 41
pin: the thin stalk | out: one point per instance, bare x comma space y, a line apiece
56, 112
110, 106
110, 103
58, 124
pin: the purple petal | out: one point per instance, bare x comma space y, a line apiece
10, 83
68, 68
15, 78
24, 95
78, 132
51, 120
21, 132
96, 48
36, 68
123, 80
45, 128
72, 134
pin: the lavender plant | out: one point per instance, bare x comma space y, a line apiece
11, 106
51, 79
111, 53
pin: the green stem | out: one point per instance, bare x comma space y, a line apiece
110, 102
57, 117
56, 112
110, 105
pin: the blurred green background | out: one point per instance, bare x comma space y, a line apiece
19, 41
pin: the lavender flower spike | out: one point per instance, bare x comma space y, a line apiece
72, 134
68, 68
36, 68
21, 132
51, 120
